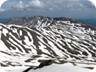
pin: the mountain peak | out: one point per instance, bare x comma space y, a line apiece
41, 41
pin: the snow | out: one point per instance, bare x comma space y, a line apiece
5, 31
13, 69
61, 68
27, 40
68, 67
58, 52
1, 70
3, 46
94, 70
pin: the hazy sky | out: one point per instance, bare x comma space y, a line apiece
51, 8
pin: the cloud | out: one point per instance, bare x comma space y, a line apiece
32, 4
69, 4
2, 10
51, 5
93, 2
36, 4
53, 8
1, 2
19, 6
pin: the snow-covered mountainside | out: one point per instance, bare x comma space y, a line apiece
40, 41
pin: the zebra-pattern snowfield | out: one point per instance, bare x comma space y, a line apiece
40, 41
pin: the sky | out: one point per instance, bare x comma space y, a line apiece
52, 8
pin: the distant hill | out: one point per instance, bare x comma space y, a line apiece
89, 21
5, 20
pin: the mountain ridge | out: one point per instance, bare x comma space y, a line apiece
42, 41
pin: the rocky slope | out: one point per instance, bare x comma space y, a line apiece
40, 41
